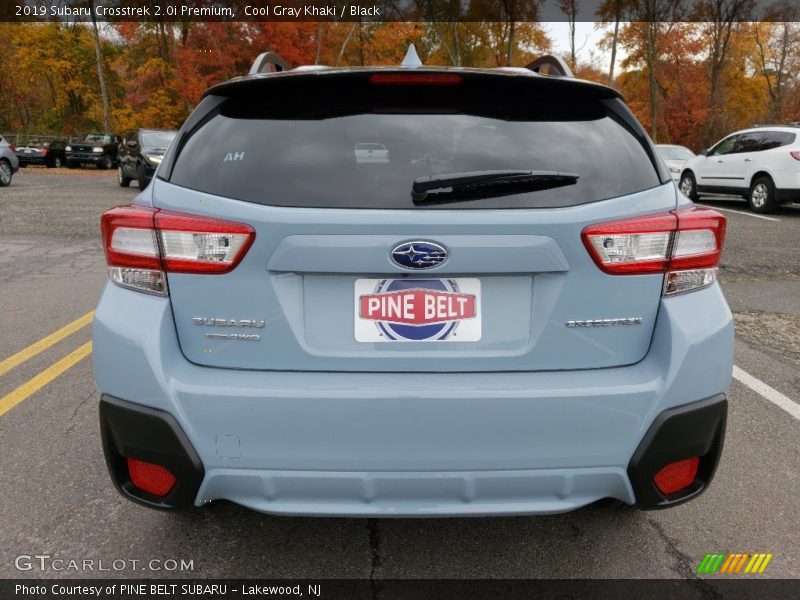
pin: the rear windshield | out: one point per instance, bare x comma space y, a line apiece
307, 144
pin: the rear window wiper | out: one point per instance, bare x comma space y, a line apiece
474, 185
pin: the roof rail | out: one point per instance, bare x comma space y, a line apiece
792, 124
554, 65
267, 60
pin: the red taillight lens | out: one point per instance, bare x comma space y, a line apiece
12, 148
686, 244
415, 79
677, 476
142, 244
151, 478
795, 154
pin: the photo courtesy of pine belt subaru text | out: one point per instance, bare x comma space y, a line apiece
412, 291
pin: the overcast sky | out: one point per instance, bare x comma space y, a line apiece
587, 37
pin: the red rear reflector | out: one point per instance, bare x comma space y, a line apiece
151, 478
415, 79
795, 155
677, 476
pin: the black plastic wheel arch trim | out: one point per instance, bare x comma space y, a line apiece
130, 430
695, 429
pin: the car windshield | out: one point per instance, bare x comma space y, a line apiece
157, 139
675, 153
97, 138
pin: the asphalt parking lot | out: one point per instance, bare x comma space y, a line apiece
58, 499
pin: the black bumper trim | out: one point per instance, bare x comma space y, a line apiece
696, 429
130, 430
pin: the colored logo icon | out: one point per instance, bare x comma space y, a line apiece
734, 562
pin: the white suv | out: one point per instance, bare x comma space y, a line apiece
761, 164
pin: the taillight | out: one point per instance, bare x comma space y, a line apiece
12, 147
143, 244
684, 244
415, 79
795, 154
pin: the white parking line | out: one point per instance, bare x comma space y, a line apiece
741, 212
770, 393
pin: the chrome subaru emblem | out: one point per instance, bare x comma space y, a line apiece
419, 255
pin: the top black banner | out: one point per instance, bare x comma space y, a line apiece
399, 10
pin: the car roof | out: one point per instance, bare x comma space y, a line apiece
781, 128
671, 146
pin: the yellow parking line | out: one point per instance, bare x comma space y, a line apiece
40, 380
44, 343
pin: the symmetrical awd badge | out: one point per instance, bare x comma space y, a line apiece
419, 255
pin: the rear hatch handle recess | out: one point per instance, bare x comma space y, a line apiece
462, 187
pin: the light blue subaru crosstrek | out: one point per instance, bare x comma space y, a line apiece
412, 291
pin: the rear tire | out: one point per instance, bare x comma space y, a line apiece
688, 186
121, 179
140, 176
5, 173
761, 198
54, 164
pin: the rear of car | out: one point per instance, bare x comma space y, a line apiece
49, 154
9, 163
395, 293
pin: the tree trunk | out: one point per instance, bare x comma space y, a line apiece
618, 5
510, 51
101, 76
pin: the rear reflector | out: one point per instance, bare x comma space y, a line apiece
685, 244
415, 79
795, 154
677, 476
151, 478
143, 244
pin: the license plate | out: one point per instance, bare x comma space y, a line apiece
418, 310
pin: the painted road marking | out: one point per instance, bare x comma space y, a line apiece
40, 380
741, 212
44, 343
770, 393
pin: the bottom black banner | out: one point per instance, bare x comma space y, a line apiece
417, 589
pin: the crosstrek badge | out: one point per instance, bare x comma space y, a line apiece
417, 310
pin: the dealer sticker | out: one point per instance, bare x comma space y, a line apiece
418, 310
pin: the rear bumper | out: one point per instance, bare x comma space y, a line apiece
131, 430
32, 160
426, 444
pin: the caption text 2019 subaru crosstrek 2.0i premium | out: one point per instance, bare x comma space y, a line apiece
512, 312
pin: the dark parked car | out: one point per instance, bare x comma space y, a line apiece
140, 153
96, 148
50, 154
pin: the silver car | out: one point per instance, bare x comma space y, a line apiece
674, 157
9, 164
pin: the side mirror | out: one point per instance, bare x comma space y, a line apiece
132, 144
703, 152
